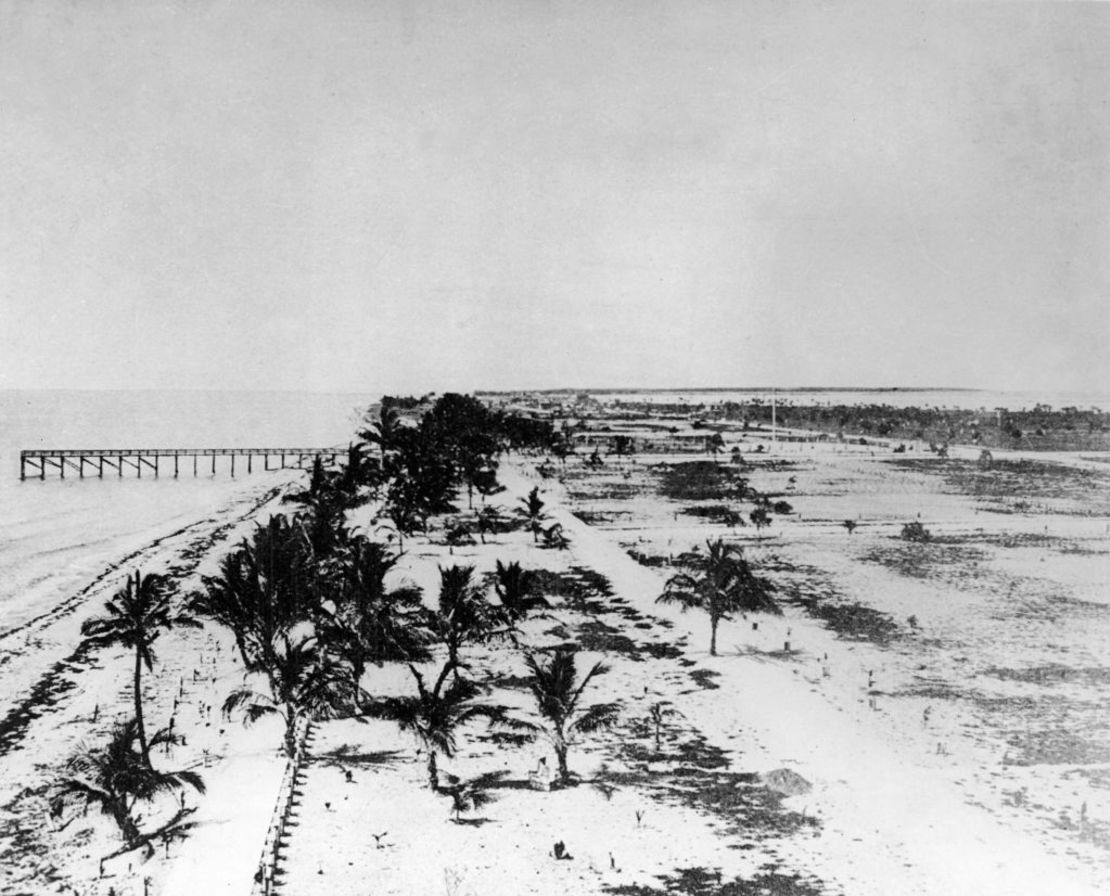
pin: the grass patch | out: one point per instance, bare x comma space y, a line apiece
701, 480
595, 518
768, 881
1052, 674
704, 679
1007, 479
923, 560
855, 621
652, 561
1057, 746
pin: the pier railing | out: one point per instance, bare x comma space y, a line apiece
36, 463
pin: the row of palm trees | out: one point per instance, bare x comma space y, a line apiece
319, 674
309, 607
312, 611
119, 776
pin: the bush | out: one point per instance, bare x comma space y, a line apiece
915, 532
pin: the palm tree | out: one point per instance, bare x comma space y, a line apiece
358, 471
383, 431
136, 616
489, 520
533, 511
658, 712
557, 692
116, 778
404, 507
469, 796
264, 588
304, 684
722, 585
516, 589
324, 526
434, 715
623, 446
760, 519
553, 536
372, 623
561, 446
463, 615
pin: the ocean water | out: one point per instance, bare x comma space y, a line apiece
56, 535
964, 399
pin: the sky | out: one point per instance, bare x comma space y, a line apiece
398, 196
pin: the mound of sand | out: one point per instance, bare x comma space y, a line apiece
784, 781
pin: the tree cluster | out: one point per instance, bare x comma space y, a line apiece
314, 607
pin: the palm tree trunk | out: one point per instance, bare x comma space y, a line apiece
126, 824
291, 735
433, 771
139, 708
241, 643
358, 669
561, 760
713, 635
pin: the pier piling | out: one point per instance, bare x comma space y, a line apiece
37, 460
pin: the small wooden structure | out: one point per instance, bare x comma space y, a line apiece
93, 461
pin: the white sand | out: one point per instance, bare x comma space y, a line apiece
894, 816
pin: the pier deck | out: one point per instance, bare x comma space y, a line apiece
35, 463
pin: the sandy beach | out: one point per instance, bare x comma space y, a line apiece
913, 783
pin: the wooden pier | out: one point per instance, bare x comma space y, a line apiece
162, 461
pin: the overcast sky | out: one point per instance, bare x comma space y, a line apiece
375, 196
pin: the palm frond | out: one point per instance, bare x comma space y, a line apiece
479, 799
192, 779
598, 669
241, 697
600, 715
686, 599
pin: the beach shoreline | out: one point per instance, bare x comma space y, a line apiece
896, 805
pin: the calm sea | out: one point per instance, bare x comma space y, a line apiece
56, 535
967, 399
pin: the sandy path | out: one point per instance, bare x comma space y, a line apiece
891, 823
894, 816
